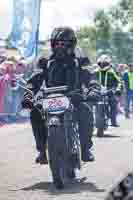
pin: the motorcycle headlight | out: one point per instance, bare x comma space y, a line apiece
54, 121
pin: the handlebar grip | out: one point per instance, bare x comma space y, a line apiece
54, 89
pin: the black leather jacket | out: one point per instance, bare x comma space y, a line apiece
67, 72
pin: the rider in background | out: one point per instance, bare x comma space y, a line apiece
109, 79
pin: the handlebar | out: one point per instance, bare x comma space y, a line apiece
25, 88
54, 89
106, 92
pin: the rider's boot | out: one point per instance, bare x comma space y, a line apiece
89, 157
42, 158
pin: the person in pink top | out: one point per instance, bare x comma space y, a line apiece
4, 78
121, 100
7, 75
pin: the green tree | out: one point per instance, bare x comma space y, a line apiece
103, 30
122, 13
112, 33
87, 40
121, 46
121, 17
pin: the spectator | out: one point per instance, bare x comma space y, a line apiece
12, 72
21, 68
4, 78
121, 100
128, 83
121, 69
9, 101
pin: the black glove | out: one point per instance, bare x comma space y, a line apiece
110, 93
76, 99
118, 93
93, 97
94, 85
27, 103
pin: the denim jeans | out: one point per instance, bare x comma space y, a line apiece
128, 101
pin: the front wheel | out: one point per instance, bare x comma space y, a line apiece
55, 152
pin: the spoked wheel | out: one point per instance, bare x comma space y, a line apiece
55, 157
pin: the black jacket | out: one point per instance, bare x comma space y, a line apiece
66, 72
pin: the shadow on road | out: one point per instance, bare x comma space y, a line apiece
13, 120
108, 136
75, 186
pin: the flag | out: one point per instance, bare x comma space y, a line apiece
25, 28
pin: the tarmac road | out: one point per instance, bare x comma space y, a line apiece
22, 179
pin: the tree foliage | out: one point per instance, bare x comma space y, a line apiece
112, 33
87, 40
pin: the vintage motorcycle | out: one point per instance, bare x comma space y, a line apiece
63, 139
102, 112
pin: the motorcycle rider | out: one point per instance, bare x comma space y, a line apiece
64, 68
109, 79
37, 122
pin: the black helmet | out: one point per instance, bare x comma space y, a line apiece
63, 38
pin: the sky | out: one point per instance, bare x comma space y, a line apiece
74, 13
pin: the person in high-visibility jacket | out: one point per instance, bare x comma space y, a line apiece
109, 79
128, 82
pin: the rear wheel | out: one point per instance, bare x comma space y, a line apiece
56, 161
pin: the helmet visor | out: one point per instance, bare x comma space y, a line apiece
59, 44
